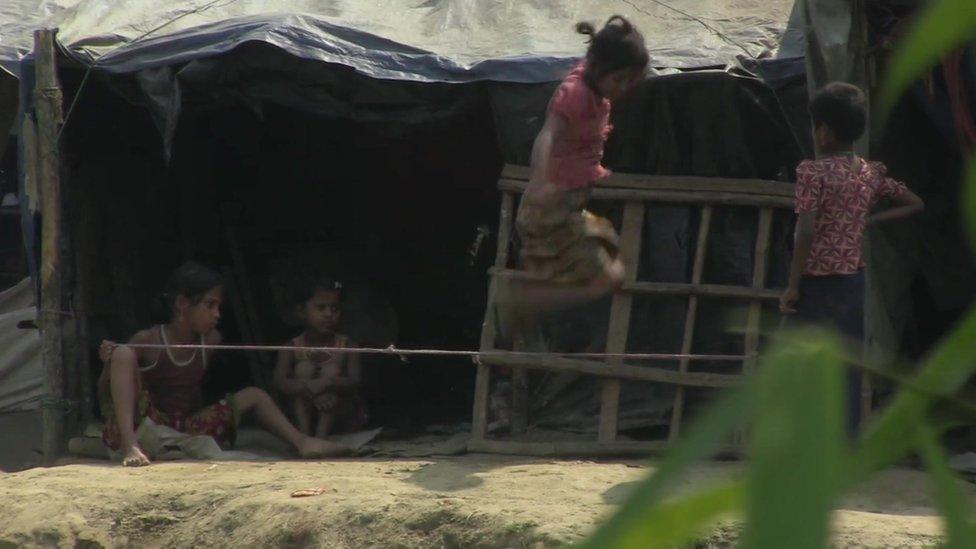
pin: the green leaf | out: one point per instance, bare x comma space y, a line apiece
969, 202
944, 373
950, 498
678, 521
797, 445
942, 27
701, 440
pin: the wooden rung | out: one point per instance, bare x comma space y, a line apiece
581, 448
674, 182
667, 288
566, 449
701, 290
727, 198
619, 327
615, 370
697, 271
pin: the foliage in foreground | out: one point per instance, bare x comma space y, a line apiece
799, 460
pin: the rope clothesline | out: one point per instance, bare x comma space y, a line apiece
402, 353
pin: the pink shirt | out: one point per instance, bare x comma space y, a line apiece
576, 155
841, 198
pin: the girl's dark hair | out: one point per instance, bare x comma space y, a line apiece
841, 107
190, 280
618, 45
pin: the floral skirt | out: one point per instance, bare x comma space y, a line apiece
217, 420
561, 241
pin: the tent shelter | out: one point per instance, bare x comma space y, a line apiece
372, 135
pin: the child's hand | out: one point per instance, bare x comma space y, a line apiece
326, 402
788, 300
316, 386
105, 350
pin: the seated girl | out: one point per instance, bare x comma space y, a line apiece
321, 387
164, 385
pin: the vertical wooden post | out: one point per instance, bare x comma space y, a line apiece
697, 271
619, 329
47, 110
760, 258
482, 384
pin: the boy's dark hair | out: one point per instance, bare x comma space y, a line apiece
190, 280
308, 289
618, 45
841, 107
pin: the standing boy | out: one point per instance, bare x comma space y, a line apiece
834, 196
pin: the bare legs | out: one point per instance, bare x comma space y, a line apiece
124, 385
269, 415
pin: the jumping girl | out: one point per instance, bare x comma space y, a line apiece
570, 254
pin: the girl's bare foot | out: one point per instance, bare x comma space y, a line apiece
133, 457
311, 447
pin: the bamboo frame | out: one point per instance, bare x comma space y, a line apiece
635, 191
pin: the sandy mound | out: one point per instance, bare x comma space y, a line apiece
470, 501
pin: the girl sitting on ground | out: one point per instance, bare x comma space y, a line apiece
165, 384
321, 387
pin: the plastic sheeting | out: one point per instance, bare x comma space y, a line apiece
431, 40
21, 371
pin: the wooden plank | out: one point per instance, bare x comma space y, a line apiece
620, 371
479, 417
697, 270
727, 198
567, 449
670, 288
619, 328
47, 110
582, 448
482, 384
754, 314
675, 182
703, 290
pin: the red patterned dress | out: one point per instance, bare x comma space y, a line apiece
841, 190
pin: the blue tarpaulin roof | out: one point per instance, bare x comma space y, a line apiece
417, 40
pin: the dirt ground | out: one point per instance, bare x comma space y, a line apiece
466, 501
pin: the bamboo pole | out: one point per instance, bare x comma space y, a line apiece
619, 326
47, 111
697, 271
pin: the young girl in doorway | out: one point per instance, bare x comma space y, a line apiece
570, 254
164, 385
321, 387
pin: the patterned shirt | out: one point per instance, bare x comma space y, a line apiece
841, 192
576, 156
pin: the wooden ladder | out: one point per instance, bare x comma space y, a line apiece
635, 192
